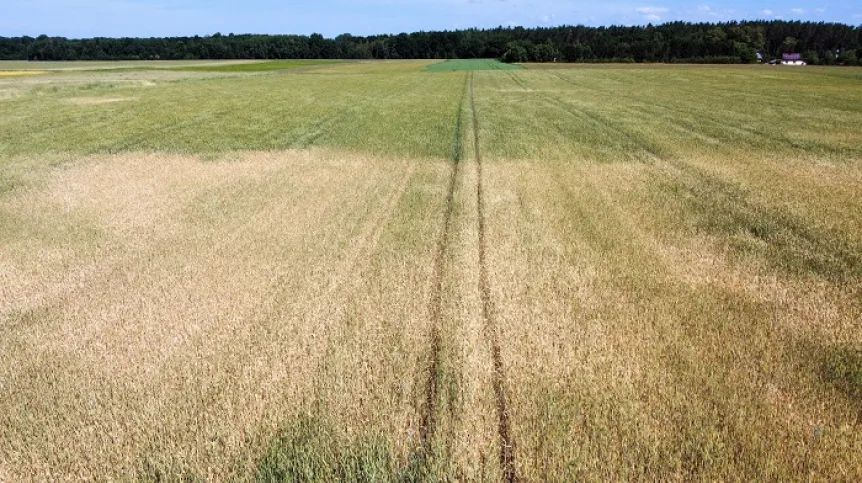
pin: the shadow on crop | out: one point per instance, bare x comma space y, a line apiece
310, 450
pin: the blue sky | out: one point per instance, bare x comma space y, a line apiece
145, 18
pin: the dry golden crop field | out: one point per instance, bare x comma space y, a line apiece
379, 271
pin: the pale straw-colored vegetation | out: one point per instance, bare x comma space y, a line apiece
369, 271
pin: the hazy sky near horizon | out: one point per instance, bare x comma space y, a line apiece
146, 18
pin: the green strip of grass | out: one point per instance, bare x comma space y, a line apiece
470, 64
258, 66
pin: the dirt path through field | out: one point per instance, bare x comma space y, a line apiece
507, 450
429, 417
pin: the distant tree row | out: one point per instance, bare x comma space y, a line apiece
732, 42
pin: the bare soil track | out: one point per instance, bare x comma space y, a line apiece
429, 415
507, 448
428, 425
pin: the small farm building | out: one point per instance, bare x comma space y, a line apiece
792, 59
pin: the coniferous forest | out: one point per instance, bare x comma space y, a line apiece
683, 42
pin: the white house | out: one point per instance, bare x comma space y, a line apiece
792, 59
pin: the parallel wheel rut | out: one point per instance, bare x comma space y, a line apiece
428, 424
507, 447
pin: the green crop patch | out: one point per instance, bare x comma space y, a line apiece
458, 65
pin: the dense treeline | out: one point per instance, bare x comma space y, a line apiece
732, 42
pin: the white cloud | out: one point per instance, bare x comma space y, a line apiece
820, 10
798, 11
712, 12
767, 12
651, 14
651, 10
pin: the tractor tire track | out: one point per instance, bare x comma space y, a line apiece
518, 80
138, 139
750, 133
623, 137
507, 447
359, 257
325, 124
428, 424
616, 128
322, 126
